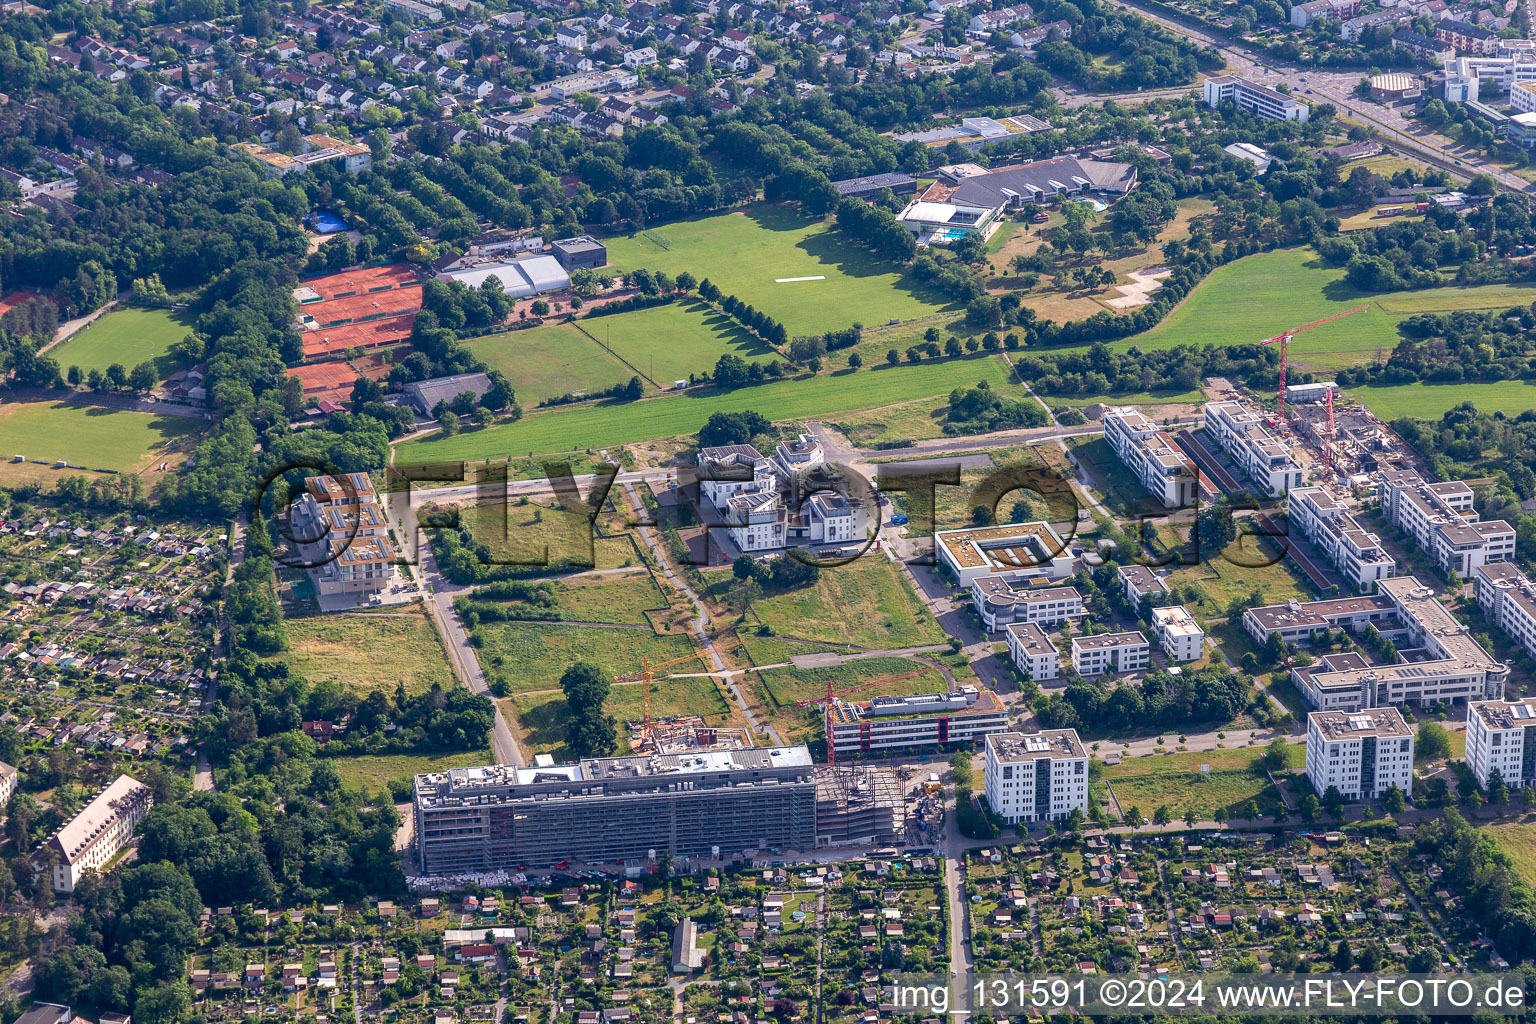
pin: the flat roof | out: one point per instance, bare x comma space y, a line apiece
1506, 714
1020, 746
1102, 641
1383, 722
966, 546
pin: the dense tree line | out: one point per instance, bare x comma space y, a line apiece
1476, 870
1208, 695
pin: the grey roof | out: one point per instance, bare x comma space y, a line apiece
428, 393
1029, 179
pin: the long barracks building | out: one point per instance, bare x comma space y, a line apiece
612, 809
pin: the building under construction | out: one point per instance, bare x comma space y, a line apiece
684, 734
857, 805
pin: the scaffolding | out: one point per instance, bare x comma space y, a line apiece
858, 804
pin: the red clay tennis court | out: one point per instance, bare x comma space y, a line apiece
326, 376
361, 279
16, 299
368, 334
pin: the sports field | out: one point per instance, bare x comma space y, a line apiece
1431, 401
1261, 295
547, 362
600, 426
90, 436
126, 336
667, 343
748, 252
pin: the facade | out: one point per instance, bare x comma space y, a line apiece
89, 840
999, 601
795, 459
1508, 596
1177, 632
727, 470
581, 253
1351, 548
1465, 77
1264, 459
8, 775
1256, 99
1147, 451
612, 809
988, 22
1141, 584
1032, 651
1353, 29
1039, 776
1015, 550
1423, 47
1447, 663
1305, 14
1362, 754
1467, 38
342, 537
756, 521
1441, 519
1501, 737
1110, 652
923, 721
1522, 97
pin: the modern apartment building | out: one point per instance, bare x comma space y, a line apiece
1362, 754
728, 470
1351, 548
8, 776
1032, 651
1110, 652
1177, 632
1147, 451
1438, 658
1015, 550
1141, 583
794, 459
1256, 99
1039, 776
919, 722
612, 809
1240, 431
89, 840
1000, 600
1508, 595
1441, 519
341, 535
1501, 737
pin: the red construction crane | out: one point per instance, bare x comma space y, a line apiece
1328, 443
1285, 346
831, 698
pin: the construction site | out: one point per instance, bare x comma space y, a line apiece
858, 805
683, 734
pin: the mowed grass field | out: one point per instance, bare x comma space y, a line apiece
378, 651
1259, 296
748, 251
824, 395
550, 361
1519, 841
531, 656
1431, 401
126, 336
866, 603
86, 435
667, 343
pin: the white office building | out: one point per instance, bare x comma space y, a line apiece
795, 459
1362, 754
1351, 548
1177, 632
999, 600
1110, 652
1256, 99
1148, 451
1021, 551
1509, 598
1263, 458
1033, 652
923, 721
1501, 737
1441, 519
1039, 776
1141, 583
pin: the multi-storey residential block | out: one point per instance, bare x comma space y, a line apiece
1265, 459
1150, 453
922, 721
613, 809
1509, 597
8, 776
826, 518
1354, 551
1177, 632
1110, 652
756, 520
794, 459
1362, 754
1447, 665
1501, 737
1467, 38
1000, 600
94, 836
1256, 99
1304, 14
1141, 583
1015, 550
733, 469
1441, 519
342, 537
1039, 776
1032, 651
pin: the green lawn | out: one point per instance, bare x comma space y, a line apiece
1261, 295
1519, 841
866, 603
126, 336
1431, 401
622, 598
91, 436
824, 395
1132, 398
532, 656
1175, 779
667, 343
547, 362
372, 772
530, 534
747, 251
369, 652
